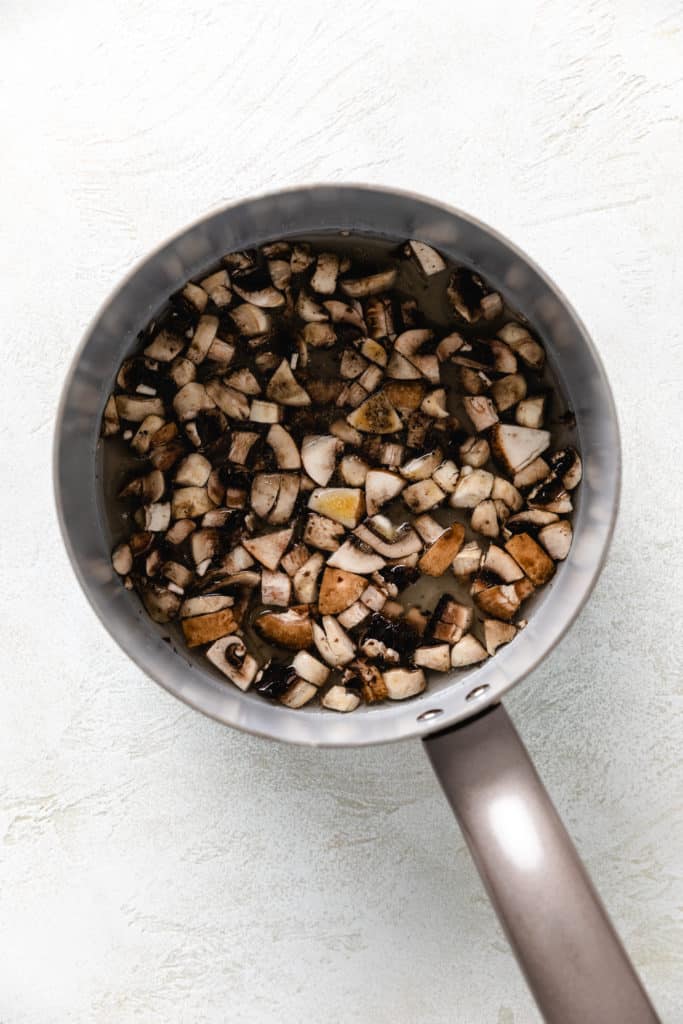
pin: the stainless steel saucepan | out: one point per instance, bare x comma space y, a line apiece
573, 961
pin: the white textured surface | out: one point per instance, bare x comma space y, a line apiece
153, 865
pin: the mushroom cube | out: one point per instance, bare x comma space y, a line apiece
446, 476
204, 629
353, 615
508, 391
322, 532
480, 411
309, 668
423, 495
530, 412
500, 602
484, 519
203, 336
345, 505
338, 590
276, 588
338, 698
292, 629
401, 683
497, 633
467, 651
269, 548
556, 538
306, 579
473, 486
467, 560
531, 557
436, 657
442, 551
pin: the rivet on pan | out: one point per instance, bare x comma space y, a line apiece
478, 691
427, 716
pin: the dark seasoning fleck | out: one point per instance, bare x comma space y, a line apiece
454, 548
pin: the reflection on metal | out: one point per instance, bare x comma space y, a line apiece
513, 825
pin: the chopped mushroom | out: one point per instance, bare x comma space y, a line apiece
395, 543
324, 280
255, 288
269, 548
370, 285
135, 409
402, 682
497, 633
500, 601
436, 657
449, 620
423, 495
428, 260
556, 538
467, 560
323, 532
230, 655
306, 579
202, 339
293, 628
338, 698
345, 505
481, 411
122, 559
530, 412
333, 643
446, 476
319, 456
516, 447
375, 416
467, 651
276, 588
473, 486
484, 519
310, 669
523, 345
440, 554
356, 558
284, 388
203, 629
338, 590
422, 466
567, 466
298, 694
531, 558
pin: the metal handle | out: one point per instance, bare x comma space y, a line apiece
572, 958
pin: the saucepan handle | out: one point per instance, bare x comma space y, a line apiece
572, 958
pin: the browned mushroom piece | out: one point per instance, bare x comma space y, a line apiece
292, 629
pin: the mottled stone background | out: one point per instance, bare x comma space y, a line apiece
153, 865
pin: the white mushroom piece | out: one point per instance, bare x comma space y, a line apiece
428, 259
319, 456
334, 644
401, 683
373, 284
467, 651
256, 288
284, 388
339, 698
231, 657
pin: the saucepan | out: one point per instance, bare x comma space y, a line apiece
571, 956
